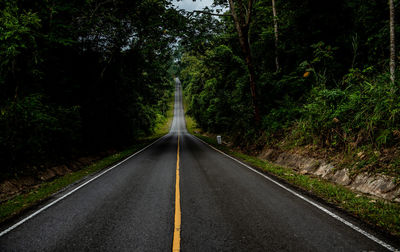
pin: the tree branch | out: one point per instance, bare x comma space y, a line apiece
234, 15
249, 12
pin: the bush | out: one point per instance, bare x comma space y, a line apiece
31, 130
365, 110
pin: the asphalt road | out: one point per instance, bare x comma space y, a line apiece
225, 207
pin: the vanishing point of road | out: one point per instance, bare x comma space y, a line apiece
181, 194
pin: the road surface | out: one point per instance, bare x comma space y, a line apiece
224, 206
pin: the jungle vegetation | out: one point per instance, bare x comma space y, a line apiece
84, 76
80, 76
323, 74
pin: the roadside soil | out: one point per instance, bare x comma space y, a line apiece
12, 187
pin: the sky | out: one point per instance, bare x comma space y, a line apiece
189, 5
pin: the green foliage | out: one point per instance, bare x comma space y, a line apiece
81, 76
332, 90
16, 30
97, 74
365, 110
217, 90
281, 117
31, 129
321, 64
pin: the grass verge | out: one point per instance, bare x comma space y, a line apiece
22, 202
378, 213
191, 125
164, 125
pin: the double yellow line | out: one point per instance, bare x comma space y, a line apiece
176, 245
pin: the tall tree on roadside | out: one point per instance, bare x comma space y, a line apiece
392, 42
276, 36
18, 47
242, 16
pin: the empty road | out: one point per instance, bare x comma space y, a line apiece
218, 204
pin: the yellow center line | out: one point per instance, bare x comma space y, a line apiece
176, 245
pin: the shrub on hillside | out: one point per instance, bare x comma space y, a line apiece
362, 110
32, 130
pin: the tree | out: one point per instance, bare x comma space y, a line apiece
276, 35
242, 16
392, 42
16, 29
322, 90
91, 75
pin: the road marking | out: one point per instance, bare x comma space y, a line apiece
323, 209
74, 190
176, 245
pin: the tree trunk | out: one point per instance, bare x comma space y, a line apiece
16, 81
276, 36
392, 43
242, 30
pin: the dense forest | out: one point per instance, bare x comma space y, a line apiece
297, 73
81, 76
88, 75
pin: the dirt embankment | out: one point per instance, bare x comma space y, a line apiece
378, 185
15, 186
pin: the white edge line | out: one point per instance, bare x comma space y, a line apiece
76, 189
347, 223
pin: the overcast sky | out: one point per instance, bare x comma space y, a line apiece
189, 5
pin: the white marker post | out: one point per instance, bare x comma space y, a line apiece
219, 140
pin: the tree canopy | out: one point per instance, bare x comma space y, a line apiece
332, 86
86, 75
81, 76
